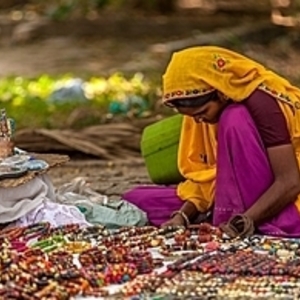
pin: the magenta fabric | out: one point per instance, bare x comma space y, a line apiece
244, 173
159, 202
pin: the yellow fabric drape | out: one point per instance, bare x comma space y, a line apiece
196, 71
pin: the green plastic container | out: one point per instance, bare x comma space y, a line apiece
159, 147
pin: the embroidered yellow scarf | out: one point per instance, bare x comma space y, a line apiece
199, 70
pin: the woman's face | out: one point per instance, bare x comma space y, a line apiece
209, 112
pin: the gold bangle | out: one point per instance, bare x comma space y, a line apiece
183, 215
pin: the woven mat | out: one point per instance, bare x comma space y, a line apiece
53, 160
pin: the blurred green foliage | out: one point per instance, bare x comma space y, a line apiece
30, 101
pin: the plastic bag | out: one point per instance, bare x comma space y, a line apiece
97, 208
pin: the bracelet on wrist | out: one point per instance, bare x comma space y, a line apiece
183, 215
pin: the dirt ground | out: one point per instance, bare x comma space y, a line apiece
107, 178
86, 55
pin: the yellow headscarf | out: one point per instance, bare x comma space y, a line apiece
199, 70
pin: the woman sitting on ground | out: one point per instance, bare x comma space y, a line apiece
239, 149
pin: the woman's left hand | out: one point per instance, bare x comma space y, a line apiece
238, 226
177, 220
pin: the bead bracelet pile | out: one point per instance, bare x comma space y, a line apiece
40, 262
193, 285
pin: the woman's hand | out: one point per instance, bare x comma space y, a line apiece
238, 226
184, 216
177, 220
285, 188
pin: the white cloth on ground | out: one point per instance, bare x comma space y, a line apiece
16, 202
35, 202
54, 213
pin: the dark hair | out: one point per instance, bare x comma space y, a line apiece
196, 101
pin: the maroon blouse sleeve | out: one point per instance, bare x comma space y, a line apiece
269, 119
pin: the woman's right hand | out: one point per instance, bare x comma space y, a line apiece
177, 220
